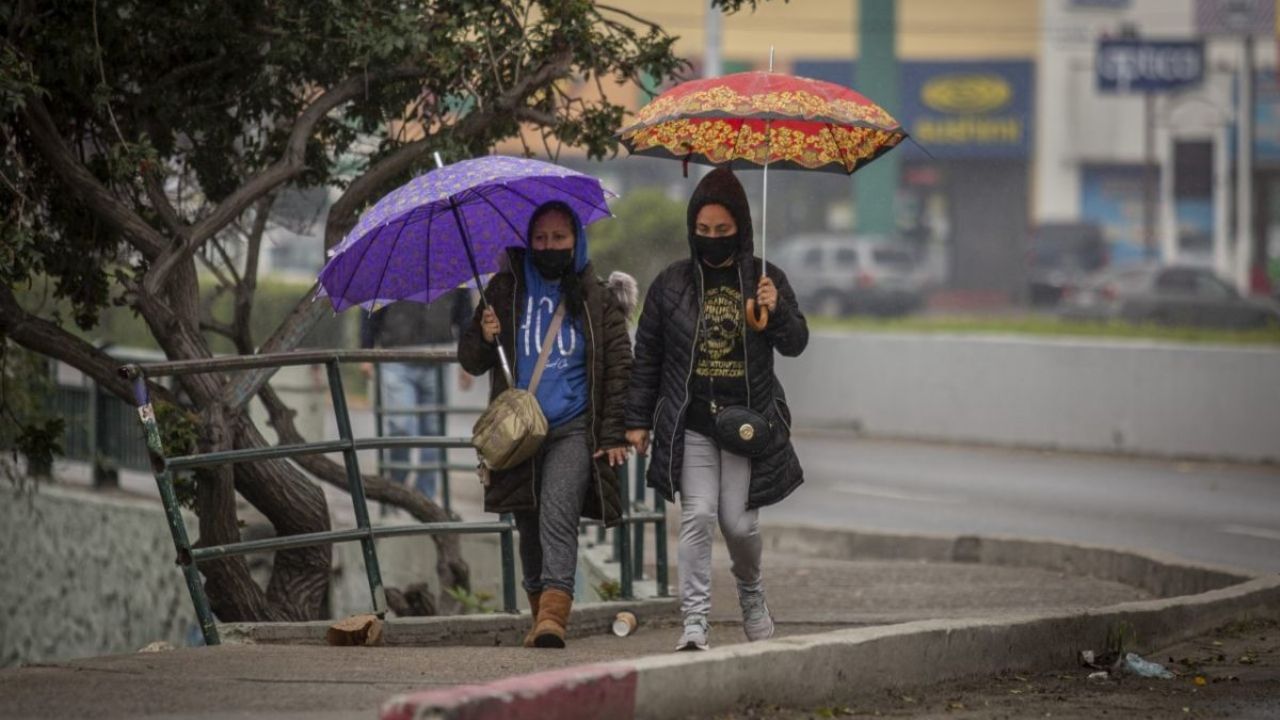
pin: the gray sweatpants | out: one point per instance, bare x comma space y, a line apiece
713, 486
549, 533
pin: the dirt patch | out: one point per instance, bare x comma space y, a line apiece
1233, 672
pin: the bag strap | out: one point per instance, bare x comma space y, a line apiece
552, 332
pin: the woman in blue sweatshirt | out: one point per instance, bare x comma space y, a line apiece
582, 391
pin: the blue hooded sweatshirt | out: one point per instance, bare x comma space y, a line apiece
562, 392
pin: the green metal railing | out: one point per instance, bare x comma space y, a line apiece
636, 515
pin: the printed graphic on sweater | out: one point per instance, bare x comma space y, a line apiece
720, 343
534, 328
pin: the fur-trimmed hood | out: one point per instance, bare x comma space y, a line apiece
625, 291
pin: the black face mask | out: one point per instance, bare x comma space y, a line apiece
553, 264
715, 250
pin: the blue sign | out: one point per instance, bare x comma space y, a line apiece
962, 109
969, 109
1266, 116
1148, 66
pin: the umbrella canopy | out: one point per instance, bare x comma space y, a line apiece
448, 226
762, 119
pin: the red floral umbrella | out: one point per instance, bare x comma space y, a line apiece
759, 119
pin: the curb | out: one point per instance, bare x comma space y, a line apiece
586, 692
843, 664
475, 630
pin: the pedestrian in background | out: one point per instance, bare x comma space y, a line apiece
581, 391
407, 325
697, 360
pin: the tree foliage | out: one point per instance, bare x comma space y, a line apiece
648, 233
139, 139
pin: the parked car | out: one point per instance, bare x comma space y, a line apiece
836, 275
1060, 256
1168, 295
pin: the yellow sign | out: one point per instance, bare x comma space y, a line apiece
969, 131
966, 94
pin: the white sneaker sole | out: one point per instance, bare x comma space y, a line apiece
692, 646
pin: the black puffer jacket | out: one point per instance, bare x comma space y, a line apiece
608, 370
663, 366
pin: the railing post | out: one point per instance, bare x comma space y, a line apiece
508, 566
442, 422
356, 484
660, 545
622, 538
637, 464
379, 422
172, 511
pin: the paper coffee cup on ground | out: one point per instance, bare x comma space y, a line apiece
624, 623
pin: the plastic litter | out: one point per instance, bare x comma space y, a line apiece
1145, 668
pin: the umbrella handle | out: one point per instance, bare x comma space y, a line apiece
506, 366
757, 317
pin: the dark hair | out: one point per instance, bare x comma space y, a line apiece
571, 282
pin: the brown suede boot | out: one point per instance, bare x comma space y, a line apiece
533, 614
553, 618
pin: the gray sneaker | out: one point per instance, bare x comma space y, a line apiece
757, 623
695, 634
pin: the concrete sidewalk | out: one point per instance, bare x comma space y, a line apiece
808, 595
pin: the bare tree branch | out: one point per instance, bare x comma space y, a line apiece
44, 337
290, 165
160, 203
248, 284
632, 16
86, 187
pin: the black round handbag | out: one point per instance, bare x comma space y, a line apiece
743, 431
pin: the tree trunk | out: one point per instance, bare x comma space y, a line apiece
299, 584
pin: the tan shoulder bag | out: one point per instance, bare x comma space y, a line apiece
513, 427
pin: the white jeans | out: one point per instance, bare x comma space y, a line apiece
713, 486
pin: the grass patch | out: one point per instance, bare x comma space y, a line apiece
1046, 326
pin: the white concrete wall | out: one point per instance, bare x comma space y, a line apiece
1134, 397
85, 574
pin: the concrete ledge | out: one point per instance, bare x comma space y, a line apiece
1161, 575
844, 664
482, 630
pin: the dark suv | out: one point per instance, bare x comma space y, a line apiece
1060, 256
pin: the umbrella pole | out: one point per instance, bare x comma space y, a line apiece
764, 212
475, 273
758, 317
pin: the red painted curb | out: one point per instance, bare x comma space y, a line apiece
585, 692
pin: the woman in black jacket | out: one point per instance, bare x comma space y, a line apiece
695, 354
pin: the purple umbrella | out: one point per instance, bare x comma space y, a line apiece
448, 226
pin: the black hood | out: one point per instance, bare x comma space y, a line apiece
721, 187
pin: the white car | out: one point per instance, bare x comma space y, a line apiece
837, 275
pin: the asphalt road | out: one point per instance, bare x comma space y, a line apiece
1207, 512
